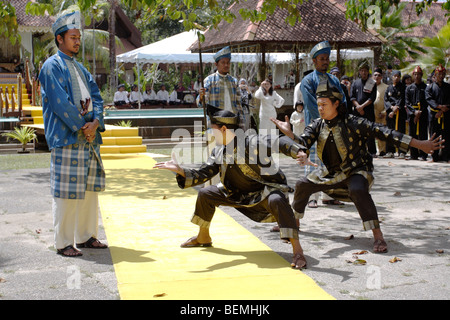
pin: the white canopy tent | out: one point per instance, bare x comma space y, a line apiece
175, 50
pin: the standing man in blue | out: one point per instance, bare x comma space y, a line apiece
221, 90
320, 55
73, 120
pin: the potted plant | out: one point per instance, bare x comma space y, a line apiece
23, 135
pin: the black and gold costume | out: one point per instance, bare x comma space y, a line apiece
347, 176
439, 95
415, 101
250, 181
395, 96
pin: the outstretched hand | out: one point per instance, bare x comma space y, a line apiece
303, 160
429, 145
171, 165
284, 126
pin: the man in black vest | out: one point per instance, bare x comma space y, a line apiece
417, 108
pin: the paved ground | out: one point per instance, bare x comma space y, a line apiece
413, 199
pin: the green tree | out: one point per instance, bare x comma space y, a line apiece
209, 13
438, 50
94, 41
8, 22
386, 18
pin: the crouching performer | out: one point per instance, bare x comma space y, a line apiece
250, 181
341, 145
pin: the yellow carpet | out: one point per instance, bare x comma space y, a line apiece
146, 218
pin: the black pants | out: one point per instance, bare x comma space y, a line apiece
276, 203
423, 135
390, 122
436, 127
369, 114
358, 188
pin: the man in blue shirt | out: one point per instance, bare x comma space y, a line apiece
73, 120
320, 55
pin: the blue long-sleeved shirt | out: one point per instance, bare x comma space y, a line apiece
308, 88
62, 118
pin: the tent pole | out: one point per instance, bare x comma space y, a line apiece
202, 99
139, 82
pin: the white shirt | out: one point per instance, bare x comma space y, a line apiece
135, 96
174, 96
297, 94
151, 96
197, 85
267, 108
298, 122
121, 96
162, 95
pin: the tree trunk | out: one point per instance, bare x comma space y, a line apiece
112, 45
377, 57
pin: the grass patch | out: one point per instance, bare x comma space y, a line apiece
24, 161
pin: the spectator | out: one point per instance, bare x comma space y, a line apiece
121, 96
394, 103
417, 109
162, 97
270, 101
135, 96
380, 111
363, 94
438, 98
149, 96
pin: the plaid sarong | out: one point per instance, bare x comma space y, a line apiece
76, 168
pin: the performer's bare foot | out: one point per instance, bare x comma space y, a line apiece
379, 245
298, 260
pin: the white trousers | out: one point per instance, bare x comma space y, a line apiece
75, 220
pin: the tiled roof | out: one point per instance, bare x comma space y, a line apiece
409, 15
425, 30
321, 20
25, 20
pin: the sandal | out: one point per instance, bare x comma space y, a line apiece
90, 244
299, 261
73, 252
380, 246
312, 204
193, 243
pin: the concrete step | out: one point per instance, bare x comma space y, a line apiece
122, 141
170, 143
115, 131
105, 149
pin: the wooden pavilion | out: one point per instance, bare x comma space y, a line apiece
320, 20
